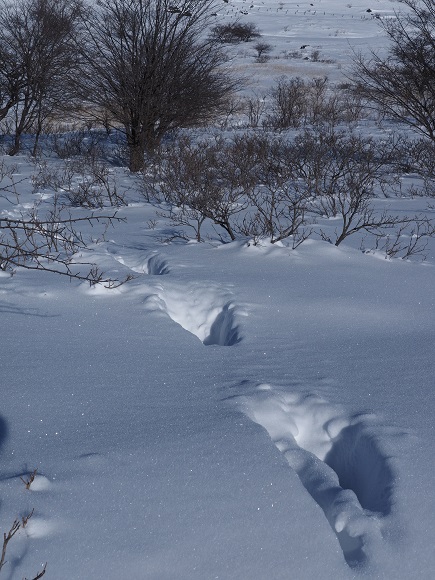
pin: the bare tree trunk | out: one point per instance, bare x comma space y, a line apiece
38, 132
140, 141
136, 150
136, 157
16, 146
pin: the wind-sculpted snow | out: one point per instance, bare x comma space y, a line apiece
337, 458
203, 310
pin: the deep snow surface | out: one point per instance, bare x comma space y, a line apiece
234, 412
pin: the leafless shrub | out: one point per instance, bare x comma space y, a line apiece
291, 54
49, 242
342, 173
297, 102
184, 216
25, 519
255, 108
91, 184
9, 182
234, 107
84, 181
261, 186
320, 174
352, 104
263, 49
407, 240
277, 207
206, 181
417, 156
323, 104
244, 185
40, 574
46, 175
235, 32
289, 106
7, 537
79, 143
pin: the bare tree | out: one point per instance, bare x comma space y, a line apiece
36, 58
150, 66
235, 32
263, 49
403, 82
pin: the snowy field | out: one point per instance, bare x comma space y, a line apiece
236, 411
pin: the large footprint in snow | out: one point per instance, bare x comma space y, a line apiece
205, 310
337, 458
138, 261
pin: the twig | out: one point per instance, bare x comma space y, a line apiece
40, 574
6, 538
31, 479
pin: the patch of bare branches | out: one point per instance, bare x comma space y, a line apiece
149, 68
265, 186
7, 537
402, 84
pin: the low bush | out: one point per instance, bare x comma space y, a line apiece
235, 32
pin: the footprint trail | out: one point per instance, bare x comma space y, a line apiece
337, 458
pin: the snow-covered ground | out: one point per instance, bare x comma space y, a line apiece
235, 411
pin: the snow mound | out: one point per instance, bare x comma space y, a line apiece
40, 528
337, 458
40, 483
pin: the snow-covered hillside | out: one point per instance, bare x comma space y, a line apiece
235, 411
